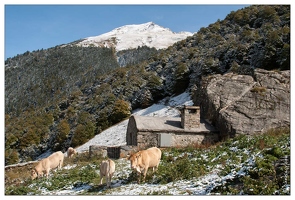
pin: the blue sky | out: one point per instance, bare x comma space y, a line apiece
33, 27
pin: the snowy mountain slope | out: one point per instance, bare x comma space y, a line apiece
131, 36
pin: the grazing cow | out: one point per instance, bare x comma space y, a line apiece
145, 159
71, 152
53, 161
107, 169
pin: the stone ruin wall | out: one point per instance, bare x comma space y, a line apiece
150, 139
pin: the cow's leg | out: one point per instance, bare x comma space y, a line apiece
156, 168
138, 177
144, 173
101, 177
47, 173
60, 164
108, 180
40, 175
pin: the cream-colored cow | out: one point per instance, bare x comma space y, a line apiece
53, 161
107, 169
71, 152
145, 159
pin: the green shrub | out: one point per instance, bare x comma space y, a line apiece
21, 190
181, 75
71, 111
11, 156
102, 121
120, 73
234, 67
121, 111
10, 140
153, 81
83, 133
29, 138
260, 186
109, 99
181, 70
259, 90
63, 129
183, 167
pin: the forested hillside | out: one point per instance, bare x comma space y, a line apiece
63, 96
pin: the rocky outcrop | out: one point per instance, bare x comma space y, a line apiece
243, 104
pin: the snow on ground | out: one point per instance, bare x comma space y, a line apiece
116, 135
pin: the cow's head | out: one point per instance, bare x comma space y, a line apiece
134, 160
34, 174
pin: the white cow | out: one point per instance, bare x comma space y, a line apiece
145, 159
71, 152
107, 169
53, 161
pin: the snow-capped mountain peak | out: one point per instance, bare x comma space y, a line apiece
135, 35
150, 26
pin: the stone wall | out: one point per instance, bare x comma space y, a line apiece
114, 152
150, 139
147, 139
131, 134
190, 117
97, 150
184, 140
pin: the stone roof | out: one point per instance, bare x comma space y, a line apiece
168, 124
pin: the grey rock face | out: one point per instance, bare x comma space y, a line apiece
242, 104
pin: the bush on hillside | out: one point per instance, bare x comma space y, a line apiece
63, 129
83, 133
11, 156
85, 129
121, 111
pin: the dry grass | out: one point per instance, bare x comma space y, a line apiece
17, 174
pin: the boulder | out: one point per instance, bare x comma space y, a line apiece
243, 104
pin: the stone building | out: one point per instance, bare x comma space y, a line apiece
189, 129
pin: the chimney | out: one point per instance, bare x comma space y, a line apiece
190, 117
